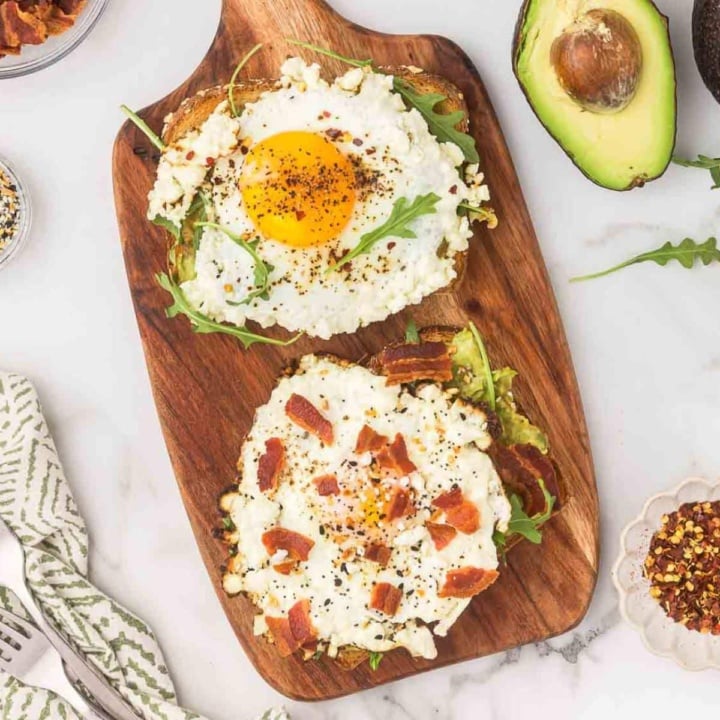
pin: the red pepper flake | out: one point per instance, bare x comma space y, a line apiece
244, 150
326, 113
327, 485
453, 190
683, 566
357, 141
209, 161
385, 598
299, 215
370, 151
333, 133
391, 244
190, 155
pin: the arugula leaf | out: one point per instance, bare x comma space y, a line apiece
411, 332
441, 126
228, 523
403, 212
374, 660
686, 253
204, 325
170, 226
262, 269
704, 163
521, 524
487, 370
330, 53
144, 127
233, 78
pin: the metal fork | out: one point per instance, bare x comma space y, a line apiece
12, 576
28, 656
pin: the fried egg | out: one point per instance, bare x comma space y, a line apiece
303, 174
364, 512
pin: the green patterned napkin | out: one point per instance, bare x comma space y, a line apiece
36, 502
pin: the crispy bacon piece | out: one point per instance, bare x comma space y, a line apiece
464, 517
369, 440
411, 362
451, 498
294, 631
296, 546
399, 505
441, 535
375, 552
467, 581
303, 413
519, 467
385, 598
18, 27
271, 464
327, 485
394, 458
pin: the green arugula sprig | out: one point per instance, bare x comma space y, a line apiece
203, 325
233, 78
704, 163
442, 126
262, 269
403, 213
375, 659
169, 225
687, 253
522, 524
480, 214
487, 368
144, 127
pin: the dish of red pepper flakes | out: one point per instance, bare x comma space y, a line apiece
683, 566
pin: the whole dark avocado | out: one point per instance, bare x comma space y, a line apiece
706, 42
600, 76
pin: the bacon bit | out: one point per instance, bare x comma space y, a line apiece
190, 155
385, 598
467, 582
271, 464
519, 467
449, 499
327, 485
300, 624
394, 458
441, 535
209, 161
410, 362
369, 440
399, 505
333, 133
303, 413
297, 547
292, 632
464, 517
378, 553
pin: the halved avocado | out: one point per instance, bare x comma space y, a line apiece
600, 76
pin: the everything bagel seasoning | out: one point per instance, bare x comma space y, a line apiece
683, 566
9, 210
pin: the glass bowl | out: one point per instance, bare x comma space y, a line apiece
37, 57
18, 240
662, 636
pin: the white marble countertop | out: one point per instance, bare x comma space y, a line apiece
646, 344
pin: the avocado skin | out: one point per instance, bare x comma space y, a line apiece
706, 43
517, 48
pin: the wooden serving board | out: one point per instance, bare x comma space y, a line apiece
207, 387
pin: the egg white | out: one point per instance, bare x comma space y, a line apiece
446, 439
408, 162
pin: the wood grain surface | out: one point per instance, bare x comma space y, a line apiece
207, 387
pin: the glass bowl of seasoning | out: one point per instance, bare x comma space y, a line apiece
668, 574
15, 213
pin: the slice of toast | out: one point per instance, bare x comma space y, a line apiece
193, 112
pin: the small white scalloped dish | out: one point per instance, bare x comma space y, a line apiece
662, 636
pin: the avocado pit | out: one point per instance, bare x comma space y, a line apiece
598, 61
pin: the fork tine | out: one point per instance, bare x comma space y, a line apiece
7, 630
7, 617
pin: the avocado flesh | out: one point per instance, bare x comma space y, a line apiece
618, 150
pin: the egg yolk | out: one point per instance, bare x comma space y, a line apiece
298, 188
